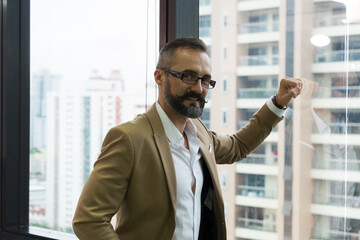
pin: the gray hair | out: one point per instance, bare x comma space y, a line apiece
167, 53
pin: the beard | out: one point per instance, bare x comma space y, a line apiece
177, 103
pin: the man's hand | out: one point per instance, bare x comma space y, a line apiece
289, 88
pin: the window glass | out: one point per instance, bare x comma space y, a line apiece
92, 66
303, 181
204, 25
225, 20
224, 85
224, 117
205, 117
225, 53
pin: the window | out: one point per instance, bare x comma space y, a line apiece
17, 202
224, 117
314, 153
258, 18
205, 26
85, 93
205, 2
15, 134
225, 85
223, 179
225, 20
225, 53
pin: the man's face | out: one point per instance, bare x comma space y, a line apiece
187, 100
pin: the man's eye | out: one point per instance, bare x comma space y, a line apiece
206, 78
189, 76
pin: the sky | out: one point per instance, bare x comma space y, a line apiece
72, 37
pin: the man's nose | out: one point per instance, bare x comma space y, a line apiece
198, 88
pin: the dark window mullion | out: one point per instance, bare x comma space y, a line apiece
10, 179
178, 18
24, 112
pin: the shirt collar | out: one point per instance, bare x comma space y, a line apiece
172, 133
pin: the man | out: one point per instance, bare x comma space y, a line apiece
158, 172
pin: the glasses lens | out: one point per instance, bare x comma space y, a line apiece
205, 81
205, 84
190, 78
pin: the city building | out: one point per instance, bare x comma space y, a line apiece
37, 203
42, 82
77, 123
303, 181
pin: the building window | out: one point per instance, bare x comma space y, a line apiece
225, 20
205, 2
224, 117
225, 53
205, 117
224, 179
204, 26
225, 84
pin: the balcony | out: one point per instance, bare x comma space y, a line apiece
342, 127
339, 92
249, 5
339, 128
259, 192
335, 175
258, 27
334, 61
337, 56
256, 224
333, 234
259, 60
337, 200
242, 123
256, 92
254, 158
338, 164
258, 65
329, 21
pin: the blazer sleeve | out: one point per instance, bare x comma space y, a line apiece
105, 189
229, 149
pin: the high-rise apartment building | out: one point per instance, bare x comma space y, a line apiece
77, 123
303, 181
42, 82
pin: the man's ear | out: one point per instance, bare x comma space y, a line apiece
159, 77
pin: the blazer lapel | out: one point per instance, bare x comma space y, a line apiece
163, 146
206, 149
210, 163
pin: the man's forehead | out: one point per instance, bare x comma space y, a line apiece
188, 50
190, 56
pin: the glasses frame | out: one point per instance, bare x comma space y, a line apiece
180, 76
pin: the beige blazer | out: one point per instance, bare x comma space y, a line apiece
134, 177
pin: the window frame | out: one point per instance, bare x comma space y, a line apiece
177, 19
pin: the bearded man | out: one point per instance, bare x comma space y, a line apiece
158, 173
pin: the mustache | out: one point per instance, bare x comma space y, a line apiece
197, 96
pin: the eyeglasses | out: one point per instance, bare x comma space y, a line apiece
192, 78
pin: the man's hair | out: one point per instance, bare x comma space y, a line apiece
167, 53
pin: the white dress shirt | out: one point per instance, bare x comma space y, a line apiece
188, 172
